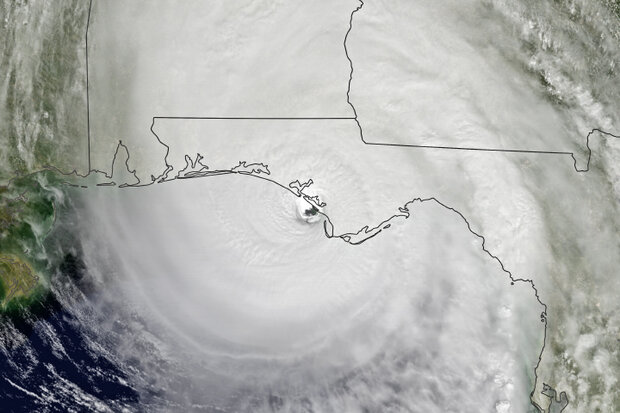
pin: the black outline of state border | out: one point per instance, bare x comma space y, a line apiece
354, 118
459, 148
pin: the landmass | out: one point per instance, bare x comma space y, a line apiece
27, 215
17, 278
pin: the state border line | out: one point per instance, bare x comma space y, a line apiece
355, 118
90, 6
252, 118
459, 148
323, 118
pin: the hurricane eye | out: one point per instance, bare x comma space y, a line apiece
311, 211
307, 211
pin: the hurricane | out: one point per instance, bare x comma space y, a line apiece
369, 206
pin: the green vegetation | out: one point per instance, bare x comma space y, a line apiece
42, 123
614, 6
27, 215
17, 278
43, 101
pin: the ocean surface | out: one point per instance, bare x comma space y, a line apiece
213, 294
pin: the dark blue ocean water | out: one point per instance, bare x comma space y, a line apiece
51, 362
38, 376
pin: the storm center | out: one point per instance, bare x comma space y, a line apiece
308, 212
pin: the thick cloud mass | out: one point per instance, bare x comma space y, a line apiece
419, 317
216, 294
